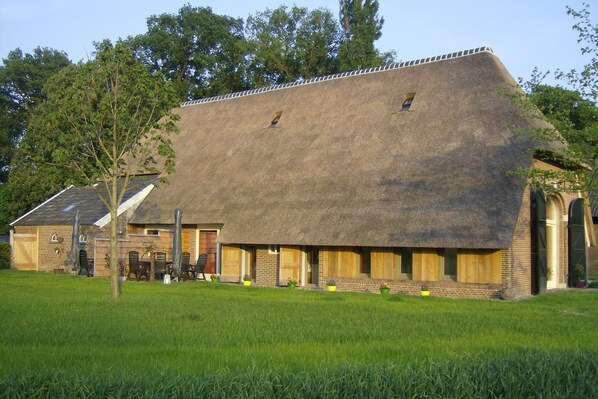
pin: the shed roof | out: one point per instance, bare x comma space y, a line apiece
343, 166
60, 209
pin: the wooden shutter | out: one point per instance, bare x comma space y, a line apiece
539, 255
383, 264
340, 263
479, 266
425, 265
577, 237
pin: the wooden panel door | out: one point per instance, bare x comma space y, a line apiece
290, 264
577, 240
231, 261
25, 251
207, 245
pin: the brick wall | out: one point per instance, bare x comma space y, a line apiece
53, 255
409, 287
520, 278
267, 267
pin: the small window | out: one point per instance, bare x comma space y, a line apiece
273, 249
83, 239
406, 259
365, 261
152, 232
276, 119
448, 264
54, 238
407, 102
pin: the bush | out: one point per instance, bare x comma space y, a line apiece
5, 255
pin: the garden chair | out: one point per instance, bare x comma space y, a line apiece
135, 267
200, 266
85, 263
160, 269
186, 268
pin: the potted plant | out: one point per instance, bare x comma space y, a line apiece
291, 283
384, 288
214, 278
424, 291
246, 280
331, 285
579, 273
122, 270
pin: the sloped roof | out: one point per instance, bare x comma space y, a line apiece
344, 167
60, 209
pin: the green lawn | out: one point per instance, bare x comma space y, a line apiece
62, 335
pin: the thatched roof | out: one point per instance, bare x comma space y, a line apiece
60, 209
344, 167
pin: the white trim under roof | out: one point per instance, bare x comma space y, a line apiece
42, 204
125, 206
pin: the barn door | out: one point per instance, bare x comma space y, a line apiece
577, 238
25, 251
539, 255
290, 265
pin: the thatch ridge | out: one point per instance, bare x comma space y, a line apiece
387, 67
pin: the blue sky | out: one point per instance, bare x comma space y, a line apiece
523, 33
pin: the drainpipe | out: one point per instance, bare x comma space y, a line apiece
218, 256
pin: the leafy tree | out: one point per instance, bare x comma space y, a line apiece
105, 120
361, 27
292, 44
201, 52
586, 81
570, 136
22, 77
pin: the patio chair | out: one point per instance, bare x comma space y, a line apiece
135, 267
200, 266
85, 263
160, 269
186, 268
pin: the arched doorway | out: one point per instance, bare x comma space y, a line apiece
553, 242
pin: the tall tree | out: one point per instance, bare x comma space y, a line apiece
201, 52
292, 44
22, 77
105, 120
361, 27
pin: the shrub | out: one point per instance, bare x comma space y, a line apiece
5, 255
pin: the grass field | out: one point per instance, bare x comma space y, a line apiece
62, 336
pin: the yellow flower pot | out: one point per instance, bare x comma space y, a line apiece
332, 288
246, 283
424, 293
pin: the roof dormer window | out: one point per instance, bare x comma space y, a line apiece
407, 102
276, 119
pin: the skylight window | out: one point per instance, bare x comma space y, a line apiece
407, 102
276, 119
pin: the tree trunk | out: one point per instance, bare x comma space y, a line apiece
114, 283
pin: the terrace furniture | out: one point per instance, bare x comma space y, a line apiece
136, 267
85, 263
186, 267
160, 269
200, 266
